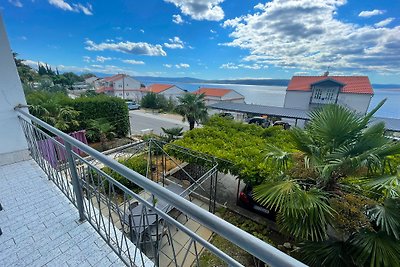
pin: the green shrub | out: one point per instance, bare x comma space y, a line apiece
112, 109
138, 164
242, 147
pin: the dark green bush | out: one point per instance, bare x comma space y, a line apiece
112, 109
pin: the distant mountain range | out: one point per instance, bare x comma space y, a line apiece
276, 82
265, 82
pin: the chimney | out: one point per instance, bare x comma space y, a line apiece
326, 73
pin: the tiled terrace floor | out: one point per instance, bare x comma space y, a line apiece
40, 226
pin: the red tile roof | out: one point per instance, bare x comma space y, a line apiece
103, 89
219, 92
352, 84
157, 88
113, 78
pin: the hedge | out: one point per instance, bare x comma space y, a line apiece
113, 109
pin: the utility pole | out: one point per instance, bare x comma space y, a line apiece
123, 86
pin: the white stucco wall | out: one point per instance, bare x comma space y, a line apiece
130, 84
174, 92
297, 100
13, 146
233, 95
357, 102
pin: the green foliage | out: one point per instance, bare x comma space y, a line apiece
387, 216
193, 109
375, 249
101, 129
309, 209
138, 164
59, 108
257, 229
157, 101
172, 133
112, 109
238, 148
351, 191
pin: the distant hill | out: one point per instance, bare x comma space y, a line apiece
385, 86
265, 82
275, 82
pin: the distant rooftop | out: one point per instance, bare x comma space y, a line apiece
352, 84
218, 92
157, 88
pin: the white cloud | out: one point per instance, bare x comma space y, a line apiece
370, 13
200, 9
233, 66
167, 65
229, 65
182, 65
133, 62
212, 31
175, 43
140, 48
61, 4
87, 10
177, 19
16, 3
313, 38
102, 59
141, 30
384, 22
87, 59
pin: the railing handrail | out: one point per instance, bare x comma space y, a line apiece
244, 240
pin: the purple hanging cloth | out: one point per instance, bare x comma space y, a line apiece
48, 151
80, 136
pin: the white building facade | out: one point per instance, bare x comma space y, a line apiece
169, 91
214, 95
309, 92
120, 85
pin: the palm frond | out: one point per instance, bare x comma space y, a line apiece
326, 253
303, 214
387, 216
279, 157
375, 249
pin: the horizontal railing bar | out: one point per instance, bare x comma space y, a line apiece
241, 238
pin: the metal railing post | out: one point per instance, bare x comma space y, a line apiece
75, 181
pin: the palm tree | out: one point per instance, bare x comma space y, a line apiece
102, 129
193, 109
173, 133
346, 208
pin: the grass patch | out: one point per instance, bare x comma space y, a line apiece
260, 231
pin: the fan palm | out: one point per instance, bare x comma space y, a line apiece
193, 108
172, 133
337, 146
102, 129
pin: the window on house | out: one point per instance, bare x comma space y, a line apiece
323, 95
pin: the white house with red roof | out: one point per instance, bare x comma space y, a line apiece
308, 92
170, 91
214, 95
120, 85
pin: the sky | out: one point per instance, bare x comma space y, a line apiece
209, 39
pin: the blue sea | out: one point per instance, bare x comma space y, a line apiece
275, 96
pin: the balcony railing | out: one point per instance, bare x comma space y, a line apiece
138, 238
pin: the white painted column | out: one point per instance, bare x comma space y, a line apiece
13, 145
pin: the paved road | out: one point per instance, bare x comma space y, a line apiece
142, 121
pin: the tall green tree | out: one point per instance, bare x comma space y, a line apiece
346, 208
193, 109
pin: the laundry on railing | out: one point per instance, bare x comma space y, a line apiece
56, 154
